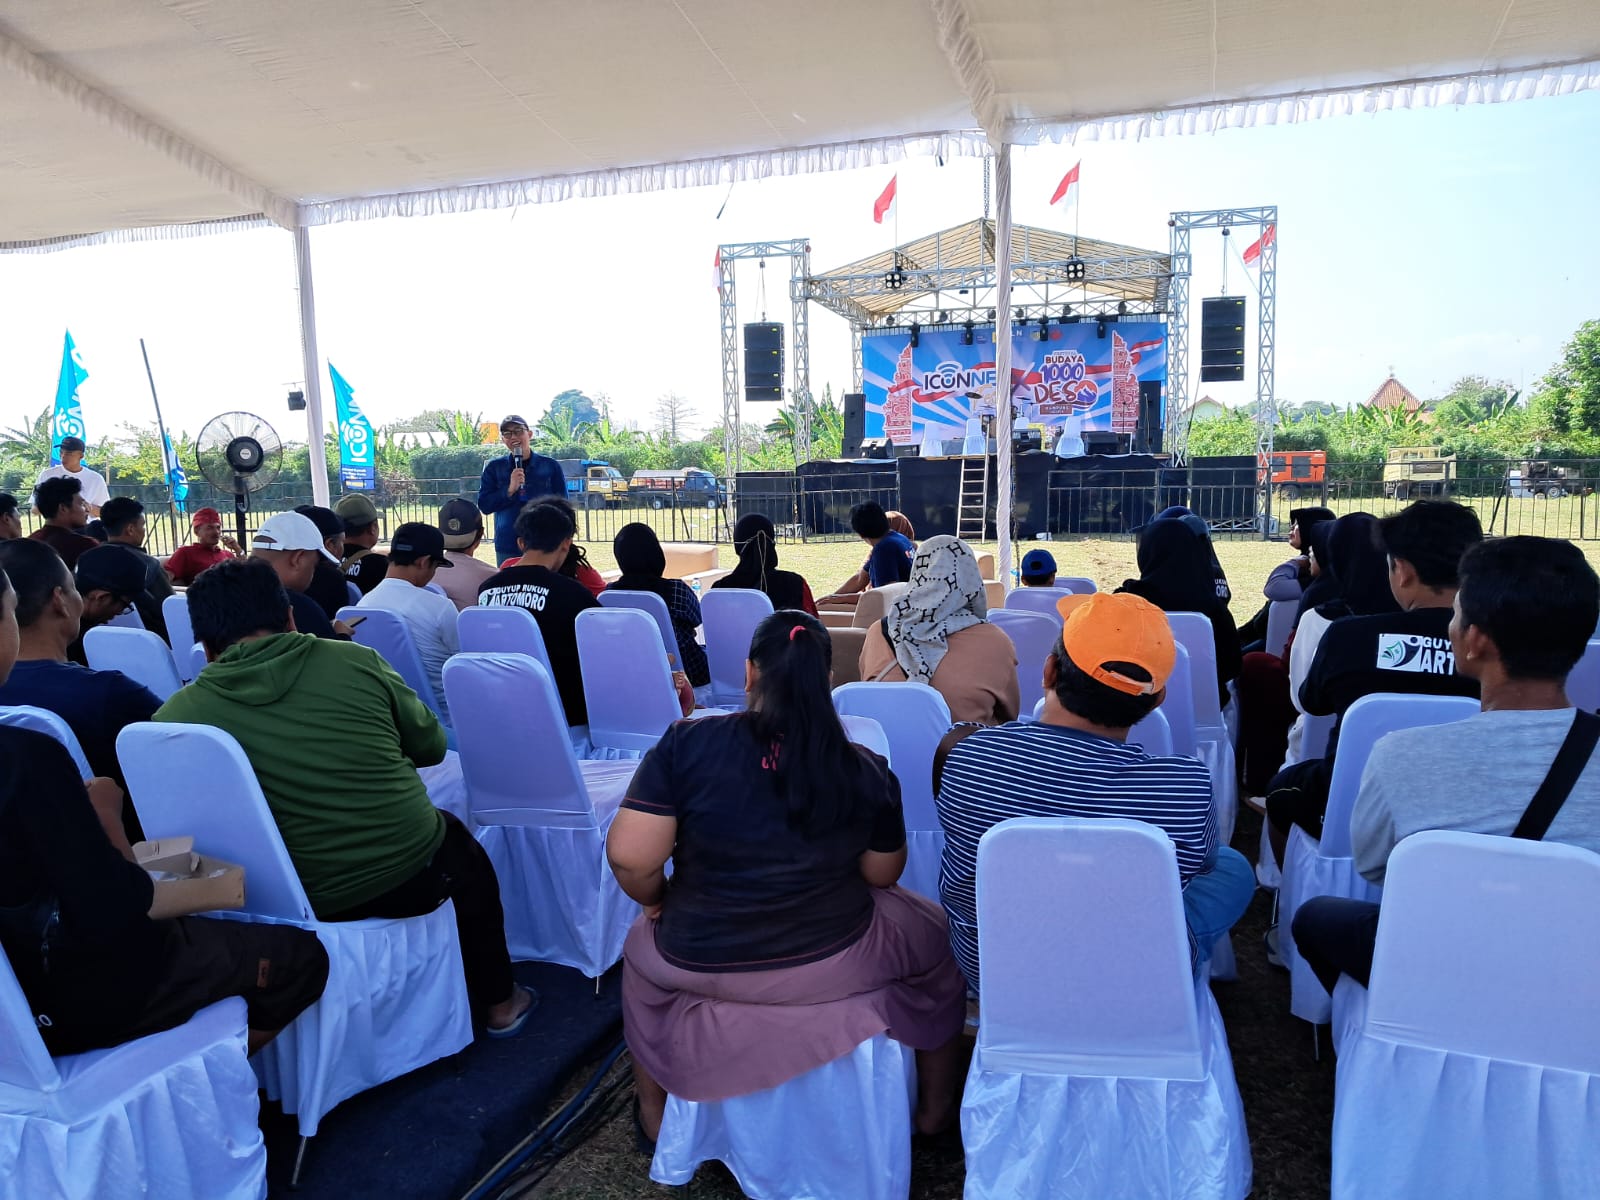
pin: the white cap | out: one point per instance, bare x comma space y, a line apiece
290, 531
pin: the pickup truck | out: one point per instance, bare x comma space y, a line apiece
685, 487
1415, 471
592, 482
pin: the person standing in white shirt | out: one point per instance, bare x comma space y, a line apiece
416, 552
93, 484
462, 526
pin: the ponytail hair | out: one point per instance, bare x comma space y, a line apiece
819, 772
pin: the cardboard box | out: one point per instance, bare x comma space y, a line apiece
186, 882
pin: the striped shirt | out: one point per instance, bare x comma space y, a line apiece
1037, 770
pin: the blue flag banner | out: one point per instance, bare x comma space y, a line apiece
177, 480
67, 421
358, 471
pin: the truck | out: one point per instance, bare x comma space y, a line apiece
1543, 479
593, 482
1297, 473
684, 487
1413, 471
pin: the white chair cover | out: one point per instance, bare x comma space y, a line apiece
1213, 743
547, 842
396, 999
1475, 1072
1152, 735
447, 788
1098, 1073
188, 655
128, 618
1179, 704
627, 685
353, 592
42, 720
386, 631
1032, 635
1583, 685
656, 607
1077, 585
914, 717
1326, 868
864, 731
139, 654
841, 1130
731, 616
172, 1114
1040, 600
1280, 623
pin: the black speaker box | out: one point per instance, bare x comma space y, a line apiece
1222, 339
855, 424
1147, 439
763, 361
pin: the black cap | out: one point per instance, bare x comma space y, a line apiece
415, 541
325, 519
513, 419
110, 568
72, 443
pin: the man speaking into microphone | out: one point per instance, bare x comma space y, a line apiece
510, 482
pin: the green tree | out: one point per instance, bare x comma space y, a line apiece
28, 443
1471, 400
460, 428
580, 408
1569, 395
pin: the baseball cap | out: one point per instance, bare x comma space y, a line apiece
72, 443
1038, 564
290, 531
513, 419
325, 519
460, 522
356, 509
110, 568
205, 516
416, 540
1117, 627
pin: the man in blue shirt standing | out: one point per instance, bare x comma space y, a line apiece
510, 482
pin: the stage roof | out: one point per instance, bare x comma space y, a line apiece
120, 115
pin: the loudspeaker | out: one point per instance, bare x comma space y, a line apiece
1099, 441
763, 361
1147, 439
879, 448
1222, 339
855, 423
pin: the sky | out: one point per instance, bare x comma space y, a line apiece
1433, 243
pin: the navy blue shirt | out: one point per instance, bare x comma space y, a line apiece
890, 560
95, 704
541, 476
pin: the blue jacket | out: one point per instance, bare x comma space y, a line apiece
542, 476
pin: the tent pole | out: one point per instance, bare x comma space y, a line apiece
1002, 358
312, 361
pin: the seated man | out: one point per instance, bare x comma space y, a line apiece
361, 563
124, 521
1408, 651
60, 502
210, 547
364, 838
1108, 671
416, 552
328, 587
10, 517
1038, 569
462, 526
291, 545
96, 970
889, 560
110, 578
96, 705
1523, 616
533, 582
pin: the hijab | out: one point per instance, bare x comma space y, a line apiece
1322, 589
1360, 569
944, 596
642, 560
1201, 530
1175, 572
754, 541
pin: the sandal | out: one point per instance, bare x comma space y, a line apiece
521, 1019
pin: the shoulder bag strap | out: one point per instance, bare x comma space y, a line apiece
1570, 761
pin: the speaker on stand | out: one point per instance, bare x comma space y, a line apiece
1222, 339
1147, 438
763, 362
855, 424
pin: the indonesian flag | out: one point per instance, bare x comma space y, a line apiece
1252, 252
716, 270
885, 200
1067, 189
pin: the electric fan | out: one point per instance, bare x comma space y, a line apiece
240, 453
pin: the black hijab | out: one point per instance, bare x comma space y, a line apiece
1202, 531
1322, 589
755, 542
1175, 572
642, 560
1360, 569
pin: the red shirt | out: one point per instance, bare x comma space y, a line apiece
188, 561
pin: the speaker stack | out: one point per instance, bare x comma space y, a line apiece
763, 361
855, 424
1222, 339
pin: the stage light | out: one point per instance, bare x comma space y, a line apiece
895, 280
1022, 321
966, 333
1020, 315
1122, 307
916, 334
991, 314
889, 320
1044, 329
1100, 328
1077, 272
1066, 313
941, 316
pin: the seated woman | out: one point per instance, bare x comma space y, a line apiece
782, 942
937, 633
755, 542
644, 564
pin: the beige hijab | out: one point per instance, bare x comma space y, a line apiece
945, 595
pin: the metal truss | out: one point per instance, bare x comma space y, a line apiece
798, 252
1182, 225
1065, 313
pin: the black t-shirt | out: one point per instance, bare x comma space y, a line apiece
329, 589
309, 617
749, 893
1391, 652
366, 572
555, 602
108, 956
96, 705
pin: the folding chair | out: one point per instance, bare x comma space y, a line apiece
1583, 685
501, 629
187, 654
1041, 600
139, 654
128, 618
913, 717
656, 607
42, 720
174, 1113
627, 685
731, 616
396, 998
1475, 1062
1098, 1073
386, 632
1280, 623
1213, 742
1032, 635
1152, 735
548, 843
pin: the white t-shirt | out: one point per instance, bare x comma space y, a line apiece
92, 483
432, 621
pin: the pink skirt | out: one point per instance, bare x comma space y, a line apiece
706, 1036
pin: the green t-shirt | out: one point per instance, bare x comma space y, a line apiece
335, 737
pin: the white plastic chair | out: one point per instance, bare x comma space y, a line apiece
1475, 1063
1152, 735
353, 593
180, 631
913, 717
396, 998
864, 731
548, 843
1326, 867
1098, 1073
386, 632
139, 654
731, 616
1032, 635
501, 629
656, 607
841, 1130
1213, 743
1280, 624
1583, 685
128, 618
170, 1114
1178, 707
627, 685
1041, 600
42, 720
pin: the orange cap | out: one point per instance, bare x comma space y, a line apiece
1117, 627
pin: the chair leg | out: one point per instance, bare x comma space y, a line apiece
299, 1159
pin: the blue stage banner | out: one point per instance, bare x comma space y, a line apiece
358, 470
1075, 376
